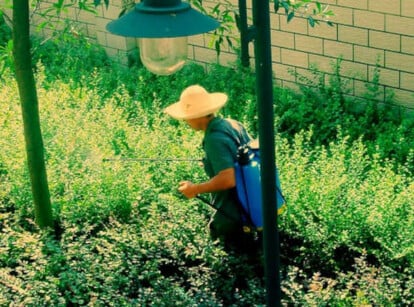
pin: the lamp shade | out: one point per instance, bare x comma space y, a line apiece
163, 56
160, 19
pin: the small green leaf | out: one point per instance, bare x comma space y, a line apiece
217, 47
10, 45
237, 18
286, 6
276, 5
311, 21
319, 7
229, 41
290, 16
123, 11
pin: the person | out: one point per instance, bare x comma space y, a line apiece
198, 108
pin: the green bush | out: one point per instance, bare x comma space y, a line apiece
343, 204
114, 215
126, 237
323, 105
366, 285
5, 31
5, 46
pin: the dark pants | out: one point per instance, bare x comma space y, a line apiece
246, 247
231, 233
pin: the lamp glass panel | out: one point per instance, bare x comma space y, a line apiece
163, 56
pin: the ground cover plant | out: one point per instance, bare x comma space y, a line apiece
124, 237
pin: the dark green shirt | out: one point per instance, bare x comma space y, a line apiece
220, 143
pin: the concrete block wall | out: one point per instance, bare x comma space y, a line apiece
116, 46
93, 25
366, 33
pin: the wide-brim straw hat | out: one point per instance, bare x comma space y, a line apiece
196, 102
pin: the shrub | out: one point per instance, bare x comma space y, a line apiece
127, 238
342, 203
5, 31
68, 57
5, 46
323, 106
364, 285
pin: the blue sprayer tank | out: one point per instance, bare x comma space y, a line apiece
248, 184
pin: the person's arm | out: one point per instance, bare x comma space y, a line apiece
224, 180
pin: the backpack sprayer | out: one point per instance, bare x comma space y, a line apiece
249, 187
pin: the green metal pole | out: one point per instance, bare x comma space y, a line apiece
264, 89
244, 34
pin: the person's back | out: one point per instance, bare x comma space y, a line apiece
220, 143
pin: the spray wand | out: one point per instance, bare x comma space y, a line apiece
151, 160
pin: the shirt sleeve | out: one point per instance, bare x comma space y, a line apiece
220, 152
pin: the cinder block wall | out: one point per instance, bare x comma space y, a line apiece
366, 33
115, 46
89, 24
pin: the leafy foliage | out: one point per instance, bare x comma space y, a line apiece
313, 11
386, 128
125, 237
343, 194
115, 215
6, 45
5, 31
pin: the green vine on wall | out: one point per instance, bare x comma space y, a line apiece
313, 11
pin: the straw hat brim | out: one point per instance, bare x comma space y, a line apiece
176, 110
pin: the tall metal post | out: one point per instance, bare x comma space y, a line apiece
264, 92
244, 34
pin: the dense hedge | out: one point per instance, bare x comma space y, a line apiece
126, 237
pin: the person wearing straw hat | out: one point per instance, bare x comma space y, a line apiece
197, 107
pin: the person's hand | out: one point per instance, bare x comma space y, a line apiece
187, 188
